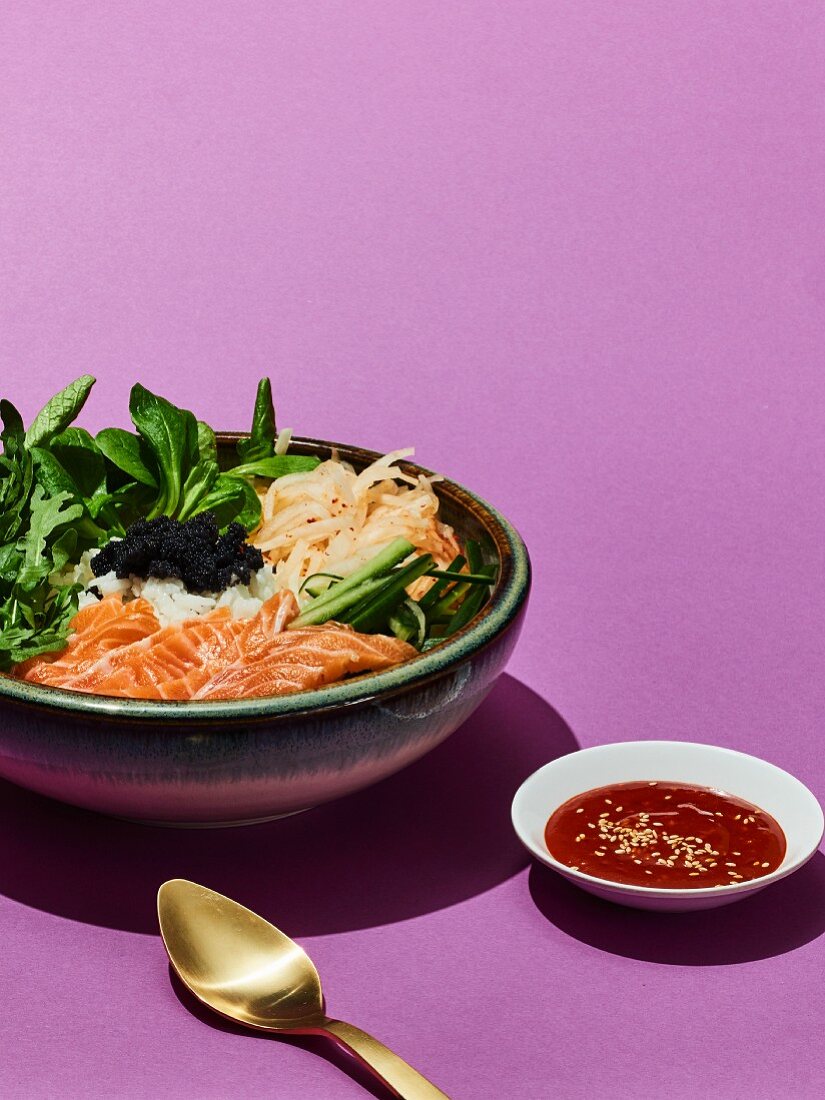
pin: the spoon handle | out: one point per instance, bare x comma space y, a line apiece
397, 1074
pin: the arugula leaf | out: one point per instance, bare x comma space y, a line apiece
16, 473
262, 438
11, 561
129, 453
14, 494
46, 514
20, 639
59, 412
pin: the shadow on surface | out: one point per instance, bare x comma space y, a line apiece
431, 836
779, 919
316, 1045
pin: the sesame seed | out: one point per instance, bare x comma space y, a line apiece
766, 864
609, 801
580, 810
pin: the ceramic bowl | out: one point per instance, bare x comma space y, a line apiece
228, 762
755, 780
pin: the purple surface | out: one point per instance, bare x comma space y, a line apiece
572, 252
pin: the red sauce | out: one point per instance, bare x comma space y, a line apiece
661, 834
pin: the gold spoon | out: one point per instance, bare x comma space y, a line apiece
242, 967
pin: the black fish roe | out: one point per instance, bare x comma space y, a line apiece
193, 552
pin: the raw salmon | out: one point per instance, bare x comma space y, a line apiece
310, 657
106, 628
170, 664
120, 649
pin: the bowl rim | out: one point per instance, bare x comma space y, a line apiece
506, 601
543, 854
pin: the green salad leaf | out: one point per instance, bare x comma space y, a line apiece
16, 473
59, 412
262, 438
207, 443
171, 435
42, 517
276, 466
46, 514
127, 452
233, 500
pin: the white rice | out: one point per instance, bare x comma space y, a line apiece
169, 598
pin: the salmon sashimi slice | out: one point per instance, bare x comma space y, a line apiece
104, 628
175, 653
273, 618
182, 659
301, 659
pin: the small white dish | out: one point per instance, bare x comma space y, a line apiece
763, 784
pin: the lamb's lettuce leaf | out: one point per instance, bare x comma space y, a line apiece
59, 412
261, 440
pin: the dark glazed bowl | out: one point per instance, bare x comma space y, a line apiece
227, 762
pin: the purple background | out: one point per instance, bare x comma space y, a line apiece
573, 253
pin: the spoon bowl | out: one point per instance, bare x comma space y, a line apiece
241, 966
236, 962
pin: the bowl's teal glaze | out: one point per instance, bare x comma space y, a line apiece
233, 761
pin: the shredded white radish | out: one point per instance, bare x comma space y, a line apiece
333, 520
